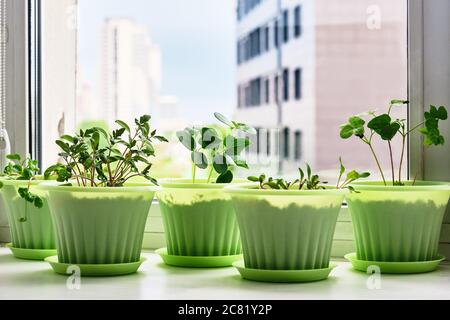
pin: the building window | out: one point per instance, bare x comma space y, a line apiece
266, 37
268, 142
285, 26
298, 145
298, 83
286, 84
267, 91
275, 34
276, 86
297, 21
239, 96
286, 143
258, 140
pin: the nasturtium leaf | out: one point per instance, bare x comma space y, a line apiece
226, 177
346, 131
199, 159
38, 203
187, 139
356, 121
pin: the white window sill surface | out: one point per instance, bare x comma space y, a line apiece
21, 279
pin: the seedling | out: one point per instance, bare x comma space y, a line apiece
217, 150
309, 181
23, 170
126, 155
386, 128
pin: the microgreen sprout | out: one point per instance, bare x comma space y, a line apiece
387, 128
23, 170
126, 155
217, 150
309, 181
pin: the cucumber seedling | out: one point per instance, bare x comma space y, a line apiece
217, 150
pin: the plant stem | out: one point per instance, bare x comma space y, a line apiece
210, 174
401, 158
194, 169
378, 162
415, 127
392, 163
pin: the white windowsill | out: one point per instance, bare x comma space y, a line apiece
35, 280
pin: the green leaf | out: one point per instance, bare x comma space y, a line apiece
38, 203
235, 146
187, 139
399, 102
68, 138
199, 159
145, 119
64, 146
253, 179
209, 138
383, 126
364, 175
13, 157
223, 119
356, 121
226, 177
220, 164
342, 168
353, 175
245, 128
123, 125
346, 131
241, 163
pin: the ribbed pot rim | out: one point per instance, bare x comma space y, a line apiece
253, 189
129, 187
19, 183
183, 183
420, 186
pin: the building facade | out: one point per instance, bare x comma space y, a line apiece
130, 70
303, 67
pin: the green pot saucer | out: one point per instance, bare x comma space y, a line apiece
283, 276
95, 270
197, 261
395, 267
31, 254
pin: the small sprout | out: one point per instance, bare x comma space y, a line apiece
126, 155
387, 129
23, 170
217, 150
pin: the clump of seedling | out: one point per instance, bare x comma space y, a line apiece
387, 129
308, 181
23, 170
126, 154
217, 150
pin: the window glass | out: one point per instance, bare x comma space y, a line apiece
296, 70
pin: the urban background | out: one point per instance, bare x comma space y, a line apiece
293, 69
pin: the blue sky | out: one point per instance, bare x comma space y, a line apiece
197, 39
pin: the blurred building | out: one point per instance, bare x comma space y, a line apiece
303, 67
130, 70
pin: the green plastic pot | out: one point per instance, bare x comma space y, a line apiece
99, 225
199, 219
286, 229
35, 233
398, 223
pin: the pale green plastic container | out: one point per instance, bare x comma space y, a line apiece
35, 233
99, 225
398, 224
199, 219
286, 229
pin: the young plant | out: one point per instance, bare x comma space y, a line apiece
217, 150
23, 170
309, 181
387, 128
126, 155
